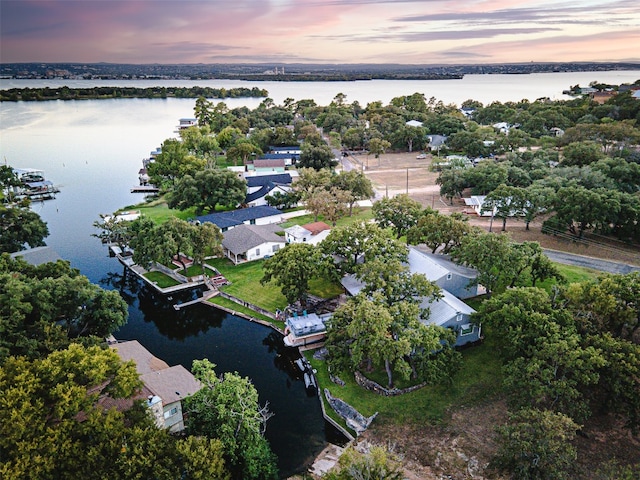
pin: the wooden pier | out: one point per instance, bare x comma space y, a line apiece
145, 189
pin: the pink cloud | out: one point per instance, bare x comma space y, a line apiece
349, 31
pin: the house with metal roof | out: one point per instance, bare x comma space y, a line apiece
167, 386
447, 311
448, 275
245, 243
38, 255
258, 215
259, 186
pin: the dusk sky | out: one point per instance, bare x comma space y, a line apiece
319, 31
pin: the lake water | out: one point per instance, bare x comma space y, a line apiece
93, 150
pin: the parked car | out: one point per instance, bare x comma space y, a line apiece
422, 155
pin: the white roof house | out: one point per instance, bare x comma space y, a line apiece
312, 233
413, 123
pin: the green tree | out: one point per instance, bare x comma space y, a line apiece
227, 408
242, 152
504, 202
19, 226
293, 267
208, 189
316, 157
581, 153
172, 239
452, 183
172, 163
378, 146
43, 308
357, 243
399, 213
491, 255
537, 445
331, 204
356, 185
439, 231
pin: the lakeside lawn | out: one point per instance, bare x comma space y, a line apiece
478, 380
162, 280
245, 284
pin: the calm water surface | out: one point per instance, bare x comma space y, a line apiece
93, 150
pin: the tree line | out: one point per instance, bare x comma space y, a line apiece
98, 93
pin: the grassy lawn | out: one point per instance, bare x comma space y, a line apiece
478, 379
160, 279
245, 284
224, 302
359, 214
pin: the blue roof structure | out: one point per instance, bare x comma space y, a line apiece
233, 218
263, 180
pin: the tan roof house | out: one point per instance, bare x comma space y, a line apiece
166, 386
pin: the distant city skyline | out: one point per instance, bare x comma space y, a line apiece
319, 31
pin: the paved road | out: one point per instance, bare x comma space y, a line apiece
590, 262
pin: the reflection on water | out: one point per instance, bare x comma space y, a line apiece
297, 432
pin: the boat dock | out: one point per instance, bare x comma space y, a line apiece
145, 189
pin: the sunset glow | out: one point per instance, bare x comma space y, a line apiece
319, 31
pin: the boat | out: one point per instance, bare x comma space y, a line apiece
33, 185
306, 331
310, 383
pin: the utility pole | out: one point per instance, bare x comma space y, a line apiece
407, 181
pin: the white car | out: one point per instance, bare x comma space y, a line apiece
422, 155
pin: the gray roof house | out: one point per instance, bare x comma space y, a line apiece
38, 255
448, 312
251, 242
260, 215
448, 275
167, 386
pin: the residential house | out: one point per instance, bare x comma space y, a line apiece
166, 386
413, 123
265, 166
448, 275
186, 123
259, 215
245, 243
38, 255
290, 154
259, 186
448, 311
475, 202
436, 142
312, 233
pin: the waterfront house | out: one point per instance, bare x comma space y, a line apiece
165, 387
448, 275
258, 215
38, 255
245, 243
447, 311
186, 123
